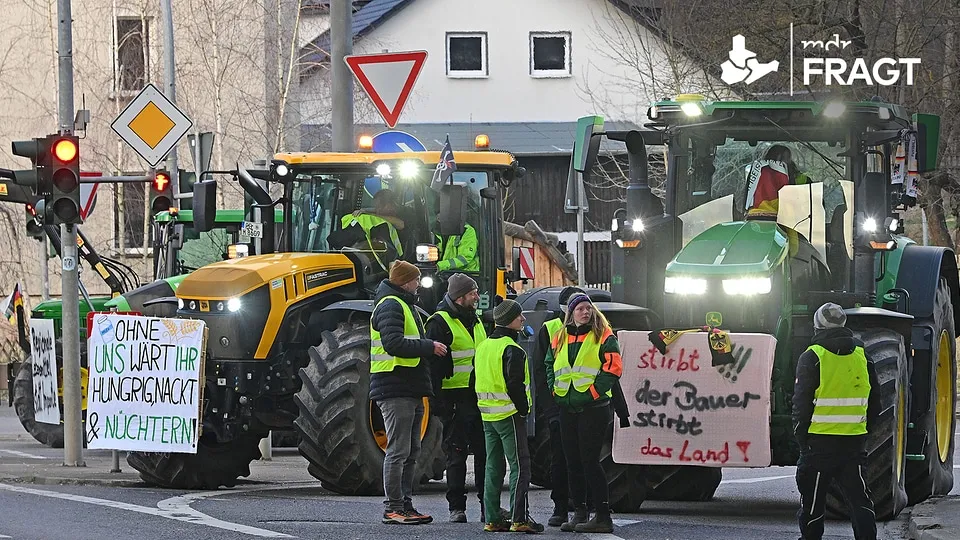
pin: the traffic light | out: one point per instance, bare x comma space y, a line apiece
64, 178
187, 179
161, 193
38, 150
35, 219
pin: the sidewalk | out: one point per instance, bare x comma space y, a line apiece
936, 519
24, 460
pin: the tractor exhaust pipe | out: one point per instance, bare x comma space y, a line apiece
641, 203
265, 203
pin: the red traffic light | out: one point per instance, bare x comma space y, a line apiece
65, 150
161, 181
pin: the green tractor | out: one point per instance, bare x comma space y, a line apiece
690, 250
178, 249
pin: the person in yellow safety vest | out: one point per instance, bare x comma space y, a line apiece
459, 252
835, 399
382, 223
583, 365
456, 325
503, 396
548, 410
398, 383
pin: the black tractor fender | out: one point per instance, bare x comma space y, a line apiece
352, 307
921, 268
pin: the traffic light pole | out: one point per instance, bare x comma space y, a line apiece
72, 421
170, 83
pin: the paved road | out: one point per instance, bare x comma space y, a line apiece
750, 504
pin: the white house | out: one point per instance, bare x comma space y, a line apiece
520, 71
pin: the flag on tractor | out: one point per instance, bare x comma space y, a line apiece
11, 303
445, 167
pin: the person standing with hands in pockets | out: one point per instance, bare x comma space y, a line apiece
503, 396
582, 367
399, 381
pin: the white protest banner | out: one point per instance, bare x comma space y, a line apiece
684, 411
43, 353
144, 389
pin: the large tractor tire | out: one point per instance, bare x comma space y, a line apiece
341, 432
48, 434
214, 464
883, 469
934, 475
682, 483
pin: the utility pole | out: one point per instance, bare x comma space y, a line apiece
44, 269
170, 86
72, 426
341, 44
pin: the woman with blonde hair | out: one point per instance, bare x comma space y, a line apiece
582, 367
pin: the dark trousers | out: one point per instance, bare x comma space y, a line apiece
506, 443
583, 436
558, 469
462, 434
815, 472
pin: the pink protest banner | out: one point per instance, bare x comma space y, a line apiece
686, 412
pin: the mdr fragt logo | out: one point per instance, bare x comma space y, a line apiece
820, 63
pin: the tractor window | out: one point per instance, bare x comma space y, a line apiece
201, 249
313, 215
474, 181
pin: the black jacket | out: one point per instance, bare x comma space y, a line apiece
838, 341
545, 402
388, 320
514, 362
441, 367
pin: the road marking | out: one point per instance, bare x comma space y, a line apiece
22, 454
187, 515
755, 480
603, 536
625, 522
5, 536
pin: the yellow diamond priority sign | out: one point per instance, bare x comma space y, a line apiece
151, 125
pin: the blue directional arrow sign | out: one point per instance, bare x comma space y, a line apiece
397, 141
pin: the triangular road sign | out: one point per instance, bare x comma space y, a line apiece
387, 78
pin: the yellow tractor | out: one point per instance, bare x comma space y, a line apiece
289, 339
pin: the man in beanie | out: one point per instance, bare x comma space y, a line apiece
456, 325
503, 394
398, 383
834, 401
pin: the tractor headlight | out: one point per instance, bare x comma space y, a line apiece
426, 282
747, 286
684, 285
233, 305
408, 169
869, 225
638, 225
180, 303
383, 169
428, 253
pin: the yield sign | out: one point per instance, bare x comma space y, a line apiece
88, 195
387, 78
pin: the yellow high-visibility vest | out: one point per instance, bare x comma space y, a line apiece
492, 398
581, 374
462, 350
840, 402
380, 360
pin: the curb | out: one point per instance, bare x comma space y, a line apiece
64, 481
924, 525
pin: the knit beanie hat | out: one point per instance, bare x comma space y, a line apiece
576, 300
506, 312
402, 272
459, 285
829, 315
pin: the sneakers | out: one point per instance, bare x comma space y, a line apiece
458, 516
402, 518
529, 526
421, 518
497, 526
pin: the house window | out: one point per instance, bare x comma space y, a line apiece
132, 55
550, 54
467, 54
